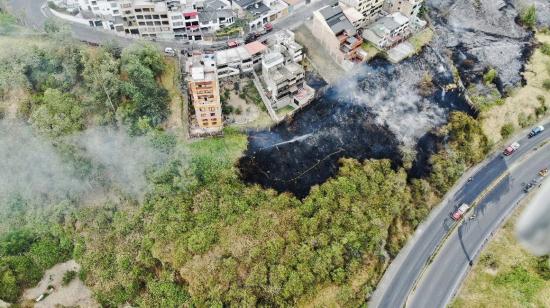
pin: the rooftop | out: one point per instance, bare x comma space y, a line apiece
213, 15
231, 55
255, 47
336, 20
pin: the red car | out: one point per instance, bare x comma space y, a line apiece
268, 27
457, 215
511, 149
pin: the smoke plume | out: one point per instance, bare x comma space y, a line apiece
533, 227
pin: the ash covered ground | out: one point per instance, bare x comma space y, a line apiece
382, 109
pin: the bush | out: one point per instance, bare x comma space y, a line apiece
68, 277
546, 84
507, 130
490, 76
545, 48
525, 121
528, 17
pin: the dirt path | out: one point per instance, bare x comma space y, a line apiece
75, 294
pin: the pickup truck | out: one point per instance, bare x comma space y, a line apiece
511, 149
535, 131
459, 213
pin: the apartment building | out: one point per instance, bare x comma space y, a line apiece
283, 79
284, 42
239, 60
409, 8
146, 18
204, 92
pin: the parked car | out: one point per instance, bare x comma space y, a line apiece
232, 43
170, 51
511, 149
543, 172
459, 213
268, 27
535, 131
251, 37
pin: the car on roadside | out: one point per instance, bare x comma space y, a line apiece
170, 51
543, 172
459, 213
535, 131
511, 149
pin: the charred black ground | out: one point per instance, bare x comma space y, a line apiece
385, 108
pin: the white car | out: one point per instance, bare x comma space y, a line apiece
170, 51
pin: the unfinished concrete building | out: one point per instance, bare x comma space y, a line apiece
205, 93
283, 80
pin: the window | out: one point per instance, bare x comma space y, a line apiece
139, 16
138, 10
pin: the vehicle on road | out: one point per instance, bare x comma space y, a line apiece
459, 213
535, 131
170, 51
511, 149
536, 182
543, 172
268, 27
232, 43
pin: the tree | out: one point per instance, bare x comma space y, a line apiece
101, 73
58, 114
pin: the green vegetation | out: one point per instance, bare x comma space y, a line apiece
528, 17
26, 254
68, 276
490, 76
545, 48
199, 236
507, 130
546, 84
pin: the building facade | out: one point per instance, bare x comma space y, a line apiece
204, 92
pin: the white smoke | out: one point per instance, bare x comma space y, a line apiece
395, 101
32, 167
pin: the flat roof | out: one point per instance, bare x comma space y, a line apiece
255, 47
231, 55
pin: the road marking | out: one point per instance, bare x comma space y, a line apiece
474, 204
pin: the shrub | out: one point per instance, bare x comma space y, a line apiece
490, 76
542, 109
545, 48
546, 84
68, 277
507, 130
528, 17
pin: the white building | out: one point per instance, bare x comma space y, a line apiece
370, 9
387, 31
283, 80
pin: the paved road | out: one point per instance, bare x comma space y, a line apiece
441, 279
34, 14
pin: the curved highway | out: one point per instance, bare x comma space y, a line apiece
431, 267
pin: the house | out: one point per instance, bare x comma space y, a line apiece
258, 13
337, 34
388, 31
284, 42
409, 8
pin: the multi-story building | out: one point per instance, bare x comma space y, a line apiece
260, 12
337, 34
387, 31
370, 9
283, 79
204, 92
239, 60
284, 42
146, 18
